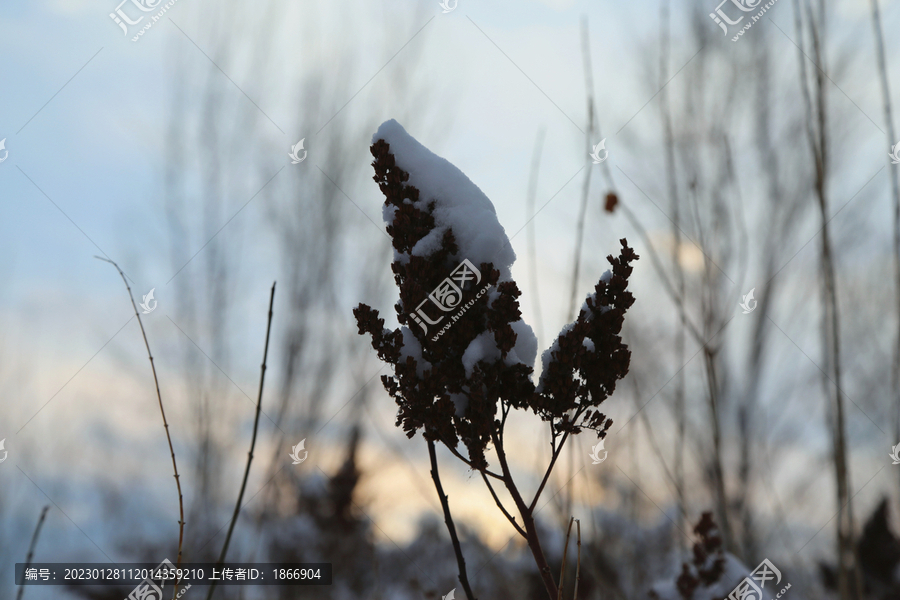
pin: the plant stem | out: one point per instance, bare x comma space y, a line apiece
527, 514
502, 508
448, 520
562, 569
532, 246
162, 411
237, 506
578, 563
556, 453
30, 555
895, 192
586, 188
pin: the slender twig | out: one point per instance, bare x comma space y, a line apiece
651, 437
661, 272
456, 453
448, 520
895, 190
556, 454
562, 569
532, 246
586, 188
666, 110
502, 508
578, 563
849, 575
162, 411
30, 555
527, 514
237, 506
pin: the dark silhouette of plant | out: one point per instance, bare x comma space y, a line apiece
708, 563
878, 549
453, 398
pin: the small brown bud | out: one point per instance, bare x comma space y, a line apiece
611, 201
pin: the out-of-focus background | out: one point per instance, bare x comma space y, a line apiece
758, 164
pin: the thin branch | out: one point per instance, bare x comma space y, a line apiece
505, 408
456, 453
661, 272
651, 437
586, 188
895, 192
163, 413
502, 508
237, 506
577, 564
562, 569
556, 454
30, 555
532, 246
448, 520
534, 542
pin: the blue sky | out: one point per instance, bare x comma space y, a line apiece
84, 112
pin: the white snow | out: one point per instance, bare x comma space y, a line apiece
547, 355
461, 402
459, 203
462, 207
412, 347
483, 347
607, 275
525, 350
735, 571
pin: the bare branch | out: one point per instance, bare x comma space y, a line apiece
162, 412
448, 520
237, 506
30, 555
502, 508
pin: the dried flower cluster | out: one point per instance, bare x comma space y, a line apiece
708, 563
430, 383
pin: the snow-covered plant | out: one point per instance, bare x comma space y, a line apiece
463, 357
711, 573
